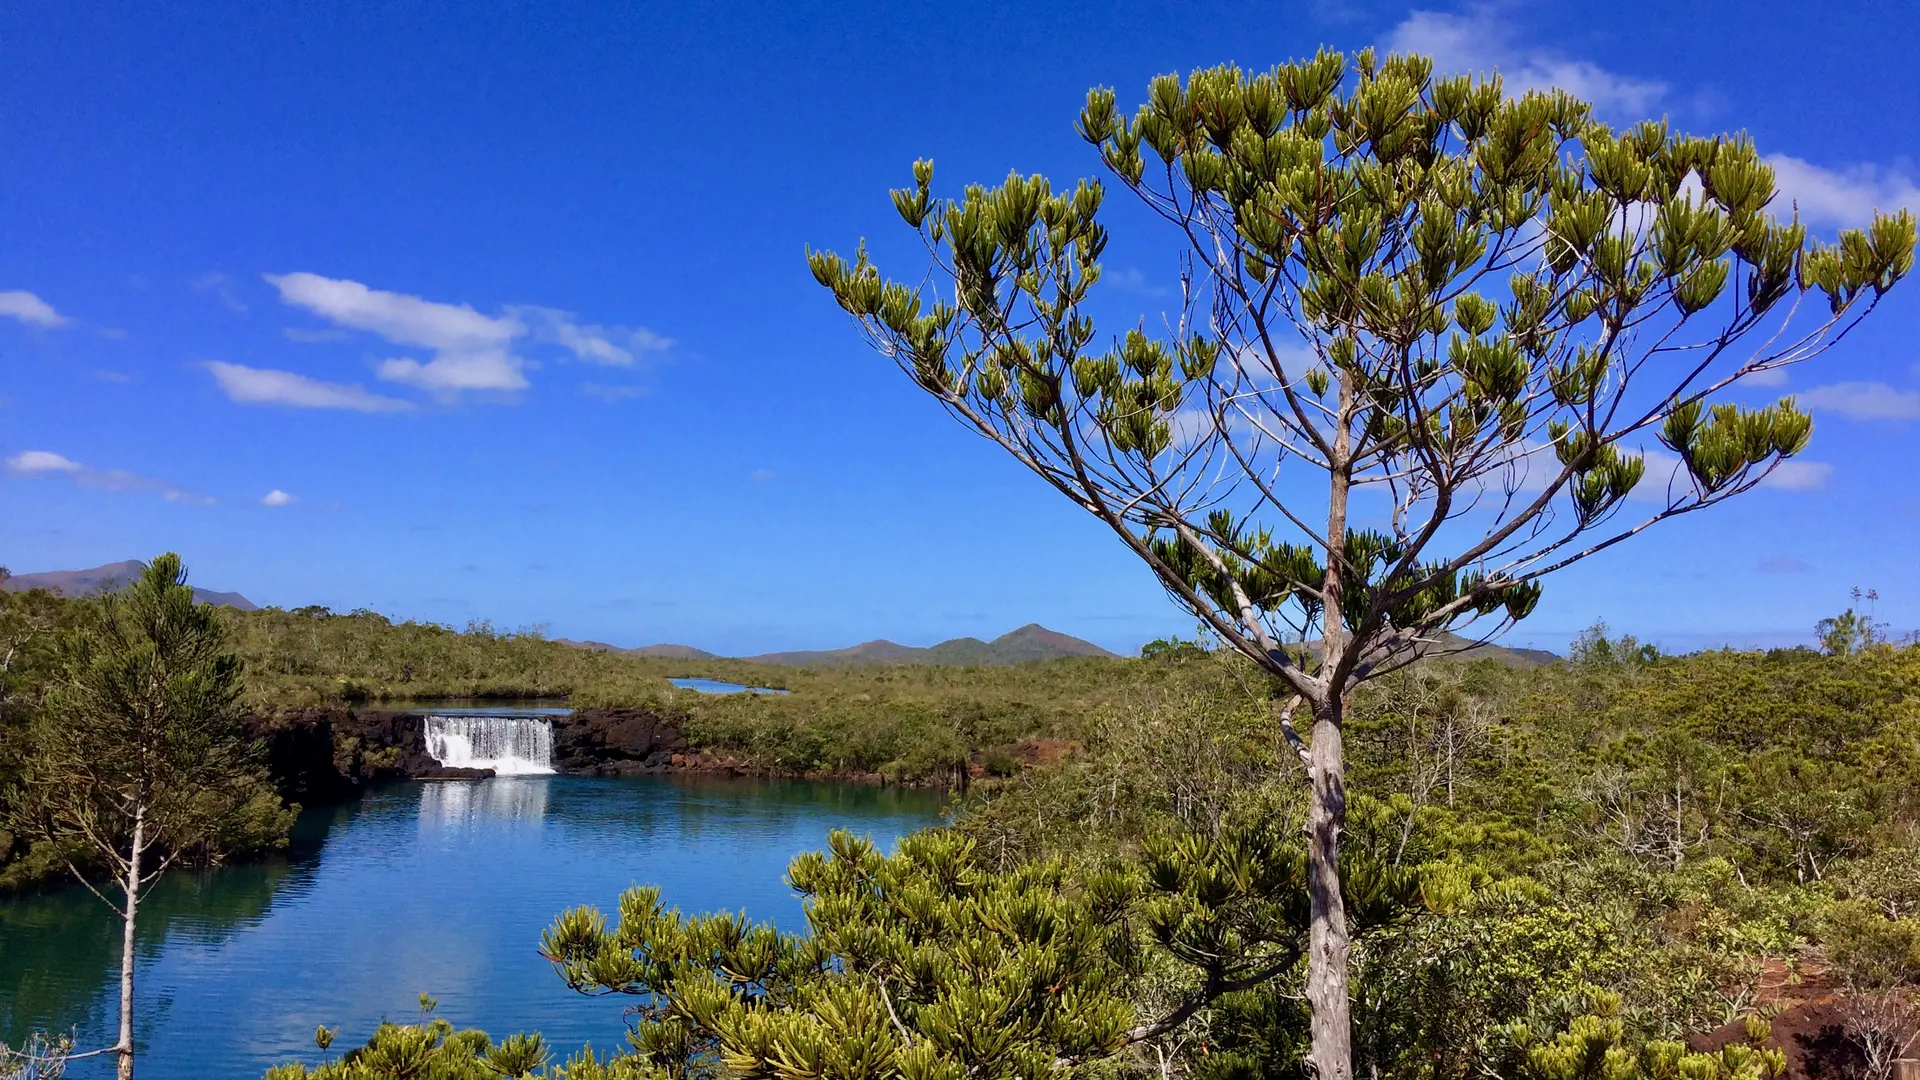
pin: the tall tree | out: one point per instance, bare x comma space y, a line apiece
138, 759
1426, 329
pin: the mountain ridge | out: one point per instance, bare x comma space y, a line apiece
111, 578
1027, 643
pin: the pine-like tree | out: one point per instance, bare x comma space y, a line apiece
139, 759
1466, 312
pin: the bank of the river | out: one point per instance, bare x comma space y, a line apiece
435, 887
326, 755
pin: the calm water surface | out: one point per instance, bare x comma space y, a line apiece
442, 888
716, 686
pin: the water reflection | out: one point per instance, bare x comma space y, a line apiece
457, 803
440, 887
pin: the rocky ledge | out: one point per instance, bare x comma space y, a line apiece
616, 742
328, 755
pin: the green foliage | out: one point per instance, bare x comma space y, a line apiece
1468, 272
1593, 1047
1508, 922
432, 1050
930, 963
139, 719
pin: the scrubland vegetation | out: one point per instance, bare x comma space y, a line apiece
1621, 848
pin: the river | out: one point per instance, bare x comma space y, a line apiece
440, 888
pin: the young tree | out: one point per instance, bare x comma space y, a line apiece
1426, 328
139, 759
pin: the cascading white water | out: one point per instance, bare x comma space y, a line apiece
510, 746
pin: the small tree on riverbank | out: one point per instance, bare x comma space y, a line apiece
138, 760
1426, 334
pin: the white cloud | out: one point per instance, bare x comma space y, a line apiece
1863, 401
618, 346
221, 286
761, 476
401, 319
1665, 474
41, 464
30, 309
261, 386
1776, 376
276, 497
1845, 197
451, 373
1480, 41
1798, 476
1131, 280
472, 351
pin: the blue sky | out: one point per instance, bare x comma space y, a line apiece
497, 311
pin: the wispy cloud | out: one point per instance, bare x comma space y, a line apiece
1131, 280
1846, 197
618, 346
276, 497
1863, 401
1784, 564
1480, 40
46, 464
40, 463
761, 476
1665, 475
1795, 475
471, 351
30, 309
220, 286
261, 386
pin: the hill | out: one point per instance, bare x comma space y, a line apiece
1030, 642
108, 578
665, 652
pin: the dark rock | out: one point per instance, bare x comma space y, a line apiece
448, 772
615, 742
328, 755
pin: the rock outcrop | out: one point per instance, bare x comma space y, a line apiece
615, 742
328, 755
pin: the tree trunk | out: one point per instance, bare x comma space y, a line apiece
1331, 1053
124, 1047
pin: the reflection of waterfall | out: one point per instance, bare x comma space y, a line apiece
463, 802
510, 746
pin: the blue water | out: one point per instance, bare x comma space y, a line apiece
715, 686
440, 887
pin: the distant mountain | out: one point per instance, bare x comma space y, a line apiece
674, 652
1452, 646
110, 578
670, 652
1030, 642
1509, 655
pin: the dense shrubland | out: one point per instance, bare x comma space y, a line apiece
1559, 866
1563, 872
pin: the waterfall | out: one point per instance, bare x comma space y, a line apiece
510, 746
